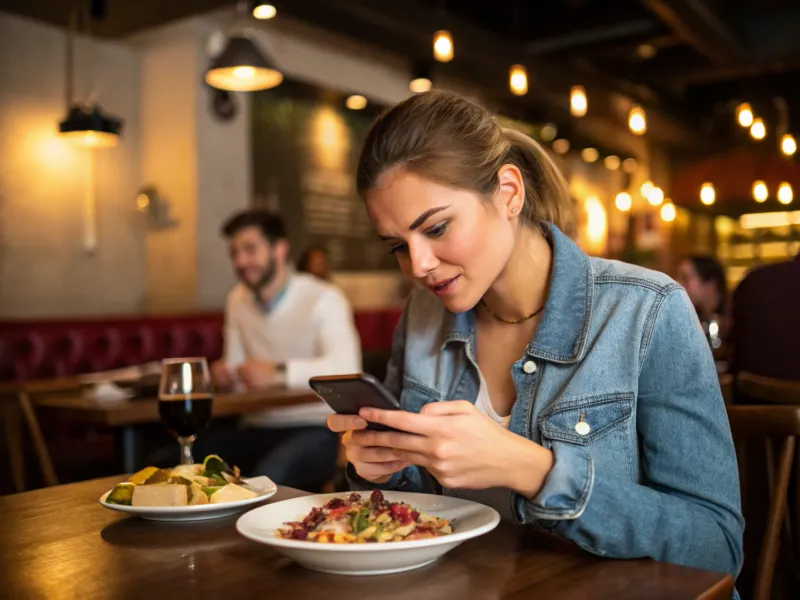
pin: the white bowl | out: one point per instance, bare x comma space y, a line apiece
265, 487
470, 520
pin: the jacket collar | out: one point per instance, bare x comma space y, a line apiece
562, 332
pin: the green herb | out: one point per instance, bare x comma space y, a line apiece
359, 521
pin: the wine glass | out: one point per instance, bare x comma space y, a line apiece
184, 400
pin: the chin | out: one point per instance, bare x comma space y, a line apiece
459, 303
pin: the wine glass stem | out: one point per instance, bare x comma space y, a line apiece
186, 450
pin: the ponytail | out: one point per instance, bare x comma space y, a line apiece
547, 197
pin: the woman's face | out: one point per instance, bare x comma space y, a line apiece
451, 241
699, 291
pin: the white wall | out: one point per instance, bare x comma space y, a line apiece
44, 269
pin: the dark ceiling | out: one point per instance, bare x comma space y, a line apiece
687, 61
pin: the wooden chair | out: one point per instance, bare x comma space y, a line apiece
768, 390
768, 424
16, 407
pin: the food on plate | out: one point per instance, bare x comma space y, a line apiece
212, 482
355, 520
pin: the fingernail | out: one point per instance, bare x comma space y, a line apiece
365, 413
361, 423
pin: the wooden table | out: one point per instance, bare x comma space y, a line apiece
60, 543
125, 414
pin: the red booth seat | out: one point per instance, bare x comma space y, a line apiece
42, 349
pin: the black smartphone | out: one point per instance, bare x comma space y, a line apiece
346, 394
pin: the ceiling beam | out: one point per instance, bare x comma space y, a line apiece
576, 39
700, 27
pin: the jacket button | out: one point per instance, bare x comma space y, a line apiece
529, 367
582, 428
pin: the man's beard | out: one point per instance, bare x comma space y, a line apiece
266, 277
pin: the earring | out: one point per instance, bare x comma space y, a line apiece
515, 210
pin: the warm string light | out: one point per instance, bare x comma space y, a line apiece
744, 114
443, 46
578, 103
561, 146
518, 80
264, 11
637, 120
612, 162
707, 194
355, 102
623, 201
668, 212
590, 155
788, 145
758, 130
760, 191
647, 186
655, 196
785, 194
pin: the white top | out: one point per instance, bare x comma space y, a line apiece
310, 328
484, 404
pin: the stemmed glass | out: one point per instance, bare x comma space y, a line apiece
185, 400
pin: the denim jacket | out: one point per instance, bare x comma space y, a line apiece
652, 472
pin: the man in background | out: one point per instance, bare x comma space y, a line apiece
765, 337
281, 328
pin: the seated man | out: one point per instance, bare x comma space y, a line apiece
281, 327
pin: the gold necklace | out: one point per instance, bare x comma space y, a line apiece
509, 321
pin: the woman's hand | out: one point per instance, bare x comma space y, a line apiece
458, 445
373, 464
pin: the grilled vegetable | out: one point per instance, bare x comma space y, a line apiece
121, 494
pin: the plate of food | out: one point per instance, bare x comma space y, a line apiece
188, 492
367, 533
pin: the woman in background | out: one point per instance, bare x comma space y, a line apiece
703, 278
315, 261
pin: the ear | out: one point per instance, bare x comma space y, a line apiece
281, 250
510, 197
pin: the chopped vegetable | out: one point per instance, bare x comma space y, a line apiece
143, 475
121, 494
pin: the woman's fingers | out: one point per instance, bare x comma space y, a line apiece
342, 423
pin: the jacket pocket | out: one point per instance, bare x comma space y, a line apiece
583, 421
416, 395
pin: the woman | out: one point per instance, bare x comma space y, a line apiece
315, 261
703, 278
571, 392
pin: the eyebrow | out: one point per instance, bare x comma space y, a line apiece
420, 220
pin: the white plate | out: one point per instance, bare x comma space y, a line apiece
470, 520
263, 485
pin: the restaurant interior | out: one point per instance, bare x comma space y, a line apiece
130, 132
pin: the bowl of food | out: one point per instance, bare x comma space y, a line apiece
367, 534
188, 492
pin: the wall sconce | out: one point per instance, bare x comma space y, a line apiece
156, 207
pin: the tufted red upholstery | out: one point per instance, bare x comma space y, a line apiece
43, 349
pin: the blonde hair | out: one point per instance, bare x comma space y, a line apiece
453, 141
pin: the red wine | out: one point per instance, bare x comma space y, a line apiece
185, 415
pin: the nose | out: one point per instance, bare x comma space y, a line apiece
423, 260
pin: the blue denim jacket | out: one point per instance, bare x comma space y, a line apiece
618, 347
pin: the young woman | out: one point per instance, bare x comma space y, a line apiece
576, 394
703, 278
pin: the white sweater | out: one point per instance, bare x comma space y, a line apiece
310, 329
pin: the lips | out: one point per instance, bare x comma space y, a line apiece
444, 287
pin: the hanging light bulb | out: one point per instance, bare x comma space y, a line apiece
668, 212
355, 102
561, 146
758, 130
612, 162
443, 46
88, 126
518, 80
744, 114
655, 196
243, 67
623, 201
421, 80
788, 144
647, 186
548, 132
707, 194
760, 191
629, 165
590, 155
785, 194
264, 11
637, 120
578, 103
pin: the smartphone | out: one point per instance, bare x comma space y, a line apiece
346, 394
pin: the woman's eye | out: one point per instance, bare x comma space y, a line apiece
398, 248
437, 230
